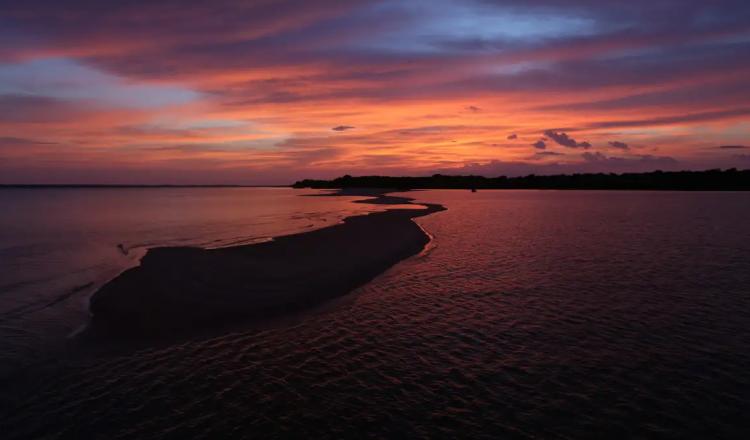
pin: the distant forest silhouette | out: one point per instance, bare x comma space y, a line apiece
710, 180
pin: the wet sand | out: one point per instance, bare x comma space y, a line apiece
184, 290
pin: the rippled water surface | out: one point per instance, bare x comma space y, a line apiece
58, 245
531, 315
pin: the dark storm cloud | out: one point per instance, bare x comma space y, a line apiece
565, 140
512, 137
618, 144
540, 144
342, 128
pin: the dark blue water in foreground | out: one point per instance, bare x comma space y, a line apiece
532, 315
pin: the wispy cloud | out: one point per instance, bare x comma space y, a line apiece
140, 85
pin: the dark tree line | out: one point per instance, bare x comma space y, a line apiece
731, 179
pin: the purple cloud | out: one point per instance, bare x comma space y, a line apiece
545, 154
667, 62
676, 119
602, 164
540, 144
565, 140
645, 161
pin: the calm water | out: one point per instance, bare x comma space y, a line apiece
58, 245
532, 315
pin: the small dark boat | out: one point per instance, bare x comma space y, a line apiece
473, 190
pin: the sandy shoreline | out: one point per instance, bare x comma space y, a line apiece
182, 290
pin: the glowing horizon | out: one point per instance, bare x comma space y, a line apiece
272, 92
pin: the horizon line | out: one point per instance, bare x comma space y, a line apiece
288, 185
134, 185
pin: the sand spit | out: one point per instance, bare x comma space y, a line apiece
179, 290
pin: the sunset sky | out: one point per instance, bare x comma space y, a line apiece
256, 92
